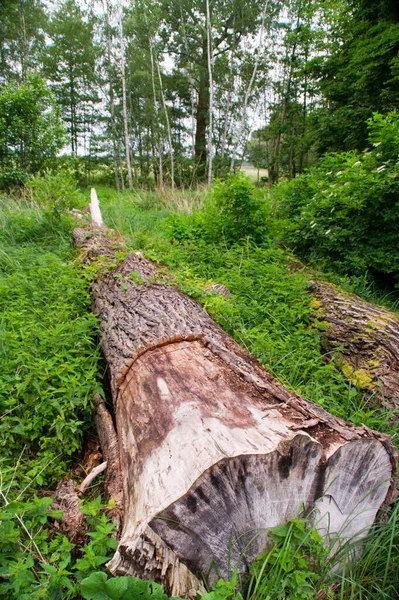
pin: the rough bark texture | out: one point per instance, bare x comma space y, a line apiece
109, 446
368, 336
73, 522
214, 451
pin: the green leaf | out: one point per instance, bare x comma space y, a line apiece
94, 588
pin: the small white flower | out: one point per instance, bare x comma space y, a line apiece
357, 163
380, 169
376, 144
328, 231
339, 173
314, 225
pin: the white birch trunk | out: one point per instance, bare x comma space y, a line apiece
227, 118
124, 109
169, 131
192, 84
156, 108
248, 91
210, 61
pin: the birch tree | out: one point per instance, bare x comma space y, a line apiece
124, 106
210, 62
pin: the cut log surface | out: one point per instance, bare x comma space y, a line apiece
213, 450
368, 338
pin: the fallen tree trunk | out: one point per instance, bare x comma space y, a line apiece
213, 451
367, 337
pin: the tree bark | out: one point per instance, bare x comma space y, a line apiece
202, 115
368, 338
213, 451
210, 77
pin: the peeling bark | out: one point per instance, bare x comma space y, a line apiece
213, 450
368, 336
73, 522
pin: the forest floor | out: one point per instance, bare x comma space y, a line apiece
48, 341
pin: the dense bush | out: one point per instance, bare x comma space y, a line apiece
239, 208
31, 130
55, 192
344, 214
234, 210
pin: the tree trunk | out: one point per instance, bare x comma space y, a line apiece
210, 77
124, 111
214, 451
368, 336
202, 115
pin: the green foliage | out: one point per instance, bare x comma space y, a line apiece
69, 61
239, 210
98, 587
222, 590
30, 129
47, 344
292, 567
358, 76
233, 210
55, 191
343, 215
38, 563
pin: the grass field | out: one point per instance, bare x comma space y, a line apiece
253, 173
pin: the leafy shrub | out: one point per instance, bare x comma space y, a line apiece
11, 178
344, 214
235, 209
36, 562
31, 130
55, 191
98, 587
293, 565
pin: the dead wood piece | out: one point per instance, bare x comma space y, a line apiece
109, 446
213, 450
219, 288
73, 522
368, 338
84, 486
